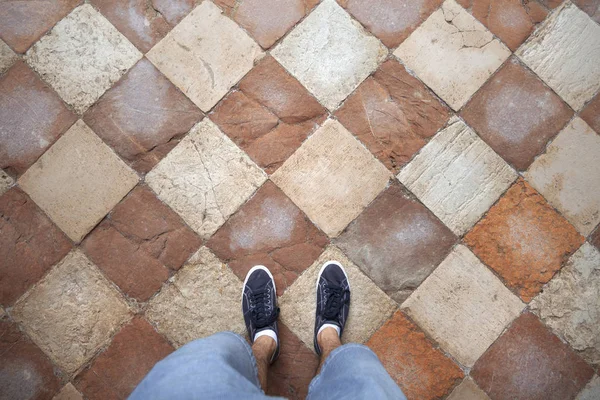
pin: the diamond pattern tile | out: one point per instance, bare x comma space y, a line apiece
7, 57
68, 392
591, 7
591, 113
591, 391
6, 181
468, 390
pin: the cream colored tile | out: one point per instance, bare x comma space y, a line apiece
7, 57
5, 182
68, 392
468, 390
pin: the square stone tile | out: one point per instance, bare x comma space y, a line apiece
7, 57
78, 181
143, 116
393, 114
565, 53
591, 113
205, 55
369, 309
6, 182
206, 178
457, 176
269, 230
568, 175
68, 392
452, 53
516, 114
203, 298
463, 306
332, 177
591, 7
270, 116
421, 371
139, 242
524, 240
22, 23
569, 303
29, 245
591, 391
72, 312
32, 117
468, 390
330, 53
81, 80
529, 362
118, 369
397, 242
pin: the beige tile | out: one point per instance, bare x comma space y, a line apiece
468, 390
332, 177
72, 312
6, 181
591, 391
206, 178
205, 55
565, 53
370, 307
78, 181
453, 53
82, 56
68, 392
7, 57
203, 298
463, 306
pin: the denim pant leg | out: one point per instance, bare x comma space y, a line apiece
353, 371
220, 366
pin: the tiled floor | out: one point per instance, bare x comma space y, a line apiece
447, 152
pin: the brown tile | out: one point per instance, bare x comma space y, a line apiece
529, 362
591, 113
293, 371
592, 7
516, 114
471, 4
524, 240
143, 116
32, 117
269, 230
391, 20
397, 242
393, 114
29, 245
173, 10
24, 22
421, 371
595, 237
139, 242
25, 371
130, 356
270, 116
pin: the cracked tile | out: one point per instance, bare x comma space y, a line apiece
173, 10
591, 7
591, 113
7, 57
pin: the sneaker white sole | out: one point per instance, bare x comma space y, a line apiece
255, 268
323, 269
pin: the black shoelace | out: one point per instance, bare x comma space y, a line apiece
260, 313
336, 298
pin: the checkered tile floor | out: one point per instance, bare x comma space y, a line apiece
446, 152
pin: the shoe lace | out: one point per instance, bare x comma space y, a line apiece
336, 298
260, 313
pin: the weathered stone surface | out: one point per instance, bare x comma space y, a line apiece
143, 116
463, 306
331, 177
205, 178
29, 245
205, 55
270, 116
524, 240
592, 7
330, 53
32, 117
452, 53
393, 114
7, 57
569, 303
369, 309
397, 242
130, 356
269, 230
568, 175
565, 53
595, 238
201, 299
528, 362
6, 182
173, 10
591, 114
472, 180
80, 81
591, 391
72, 312
516, 114
468, 390
421, 371
78, 180
68, 392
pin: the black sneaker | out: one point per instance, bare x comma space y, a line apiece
333, 298
259, 303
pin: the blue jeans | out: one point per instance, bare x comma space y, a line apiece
222, 366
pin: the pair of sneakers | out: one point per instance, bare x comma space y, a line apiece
259, 302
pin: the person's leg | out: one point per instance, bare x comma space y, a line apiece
263, 348
328, 340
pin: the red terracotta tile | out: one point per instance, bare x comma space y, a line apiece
529, 362
393, 114
591, 113
421, 371
173, 10
592, 7
29, 244
32, 117
131, 355
143, 116
269, 230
